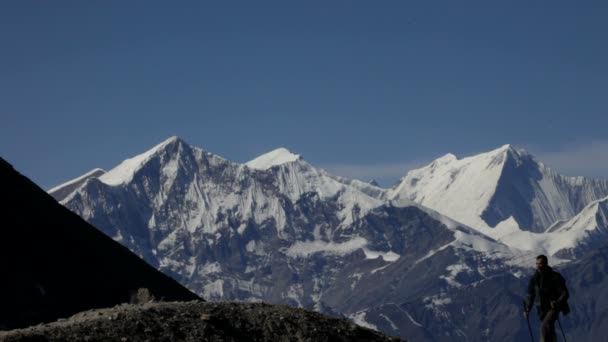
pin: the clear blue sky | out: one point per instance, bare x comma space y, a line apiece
364, 88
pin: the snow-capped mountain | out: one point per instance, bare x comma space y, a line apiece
488, 189
174, 193
280, 230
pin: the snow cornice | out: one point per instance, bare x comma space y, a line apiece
93, 173
273, 158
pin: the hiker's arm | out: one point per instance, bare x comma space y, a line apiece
530, 296
563, 290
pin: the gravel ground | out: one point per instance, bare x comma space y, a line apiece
197, 321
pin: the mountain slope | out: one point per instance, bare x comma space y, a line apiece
586, 278
588, 230
55, 264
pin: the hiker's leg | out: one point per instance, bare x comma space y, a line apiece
547, 327
541, 316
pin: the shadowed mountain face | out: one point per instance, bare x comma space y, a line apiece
54, 264
587, 279
536, 196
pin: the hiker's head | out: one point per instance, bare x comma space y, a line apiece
541, 263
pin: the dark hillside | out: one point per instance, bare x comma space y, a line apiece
54, 264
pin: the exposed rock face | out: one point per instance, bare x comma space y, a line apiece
198, 321
54, 264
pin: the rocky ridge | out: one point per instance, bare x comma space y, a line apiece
197, 321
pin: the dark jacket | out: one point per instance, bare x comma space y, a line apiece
546, 287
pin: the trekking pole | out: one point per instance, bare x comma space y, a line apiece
528, 320
562, 329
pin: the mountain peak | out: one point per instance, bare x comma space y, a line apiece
123, 173
501, 155
167, 142
508, 148
502, 150
446, 158
275, 157
459, 188
374, 183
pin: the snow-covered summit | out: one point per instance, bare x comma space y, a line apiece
447, 158
273, 158
458, 188
123, 173
484, 190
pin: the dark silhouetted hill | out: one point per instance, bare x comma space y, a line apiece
54, 264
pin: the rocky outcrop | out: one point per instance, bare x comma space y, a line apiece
198, 321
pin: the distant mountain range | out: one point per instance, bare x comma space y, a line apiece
403, 260
57, 268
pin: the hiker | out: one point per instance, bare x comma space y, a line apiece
547, 289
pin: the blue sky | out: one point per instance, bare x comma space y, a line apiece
365, 89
